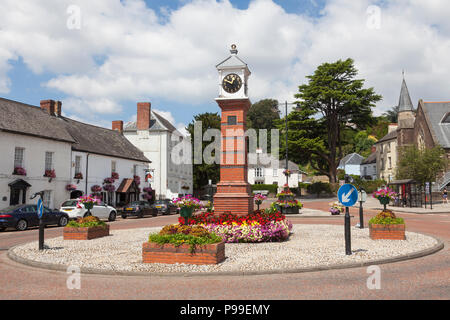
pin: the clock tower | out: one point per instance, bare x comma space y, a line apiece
234, 193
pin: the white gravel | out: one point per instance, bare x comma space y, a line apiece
308, 246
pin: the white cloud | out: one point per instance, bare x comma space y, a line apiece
174, 59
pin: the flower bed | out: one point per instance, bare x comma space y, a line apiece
183, 244
256, 227
336, 209
85, 229
387, 226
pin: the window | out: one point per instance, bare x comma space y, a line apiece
49, 161
232, 120
77, 164
18, 157
113, 166
275, 172
135, 170
46, 198
390, 163
259, 172
382, 164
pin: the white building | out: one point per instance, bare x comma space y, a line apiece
369, 167
351, 163
160, 141
40, 139
265, 171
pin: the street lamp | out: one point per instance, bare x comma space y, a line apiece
287, 130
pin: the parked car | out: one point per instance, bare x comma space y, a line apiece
101, 210
165, 207
139, 209
24, 216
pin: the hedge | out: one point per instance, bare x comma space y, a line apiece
272, 188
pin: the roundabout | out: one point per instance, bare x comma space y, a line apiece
310, 247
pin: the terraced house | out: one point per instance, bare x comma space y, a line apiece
45, 151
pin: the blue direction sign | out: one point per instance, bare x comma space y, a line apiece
348, 195
40, 208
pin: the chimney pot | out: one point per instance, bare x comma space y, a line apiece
143, 115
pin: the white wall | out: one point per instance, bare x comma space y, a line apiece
34, 164
270, 178
168, 177
99, 168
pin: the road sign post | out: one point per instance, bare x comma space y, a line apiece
348, 196
40, 212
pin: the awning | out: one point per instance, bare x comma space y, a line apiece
399, 182
19, 184
127, 186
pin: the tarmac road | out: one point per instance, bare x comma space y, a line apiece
423, 278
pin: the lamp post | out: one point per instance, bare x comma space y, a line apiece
287, 130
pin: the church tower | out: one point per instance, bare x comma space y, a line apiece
406, 117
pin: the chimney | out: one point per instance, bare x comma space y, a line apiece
143, 115
49, 106
58, 107
118, 126
392, 127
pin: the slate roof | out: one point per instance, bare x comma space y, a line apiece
157, 123
390, 136
30, 120
405, 103
435, 114
22, 118
370, 159
98, 140
352, 158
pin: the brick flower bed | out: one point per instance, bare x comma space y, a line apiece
81, 233
388, 232
171, 254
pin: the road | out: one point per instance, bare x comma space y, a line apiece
424, 278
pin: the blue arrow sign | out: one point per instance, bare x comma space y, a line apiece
348, 195
40, 208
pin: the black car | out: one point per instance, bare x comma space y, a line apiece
139, 209
165, 207
24, 216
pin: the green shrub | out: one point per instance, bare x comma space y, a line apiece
178, 239
386, 217
272, 188
318, 188
87, 222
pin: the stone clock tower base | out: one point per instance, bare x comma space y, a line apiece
234, 193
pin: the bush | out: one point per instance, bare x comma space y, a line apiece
87, 222
386, 217
272, 188
319, 187
194, 236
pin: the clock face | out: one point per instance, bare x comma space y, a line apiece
232, 83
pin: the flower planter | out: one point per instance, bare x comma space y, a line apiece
85, 233
289, 210
387, 231
170, 254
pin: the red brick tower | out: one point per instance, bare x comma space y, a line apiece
234, 193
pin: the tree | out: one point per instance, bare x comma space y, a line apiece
204, 172
421, 165
392, 114
335, 94
262, 115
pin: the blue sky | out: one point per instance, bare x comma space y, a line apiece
166, 52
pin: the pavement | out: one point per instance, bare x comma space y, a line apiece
423, 278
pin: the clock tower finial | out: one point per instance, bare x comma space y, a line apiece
234, 49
